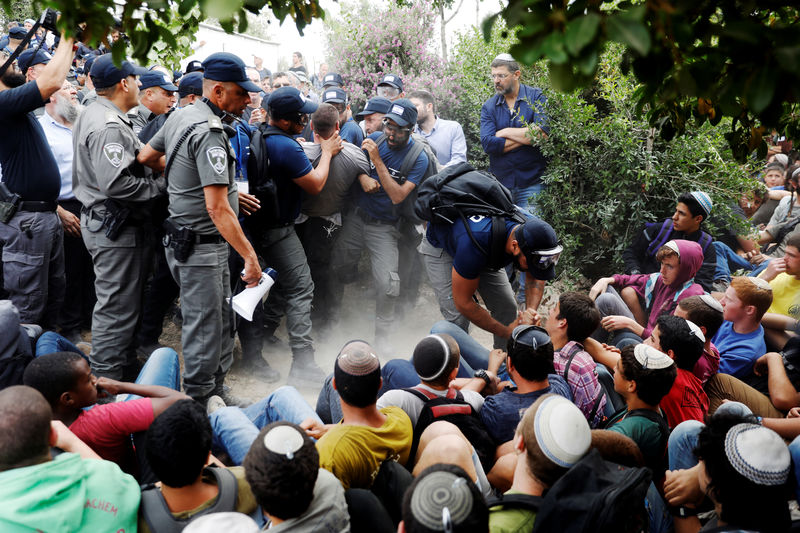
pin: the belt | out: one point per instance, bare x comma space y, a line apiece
37, 207
209, 239
369, 219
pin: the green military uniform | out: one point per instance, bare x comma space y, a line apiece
104, 166
205, 158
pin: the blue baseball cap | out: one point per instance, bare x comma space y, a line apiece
285, 101
105, 73
191, 83
332, 78
393, 80
17, 33
334, 95
224, 66
194, 66
87, 64
403, 112
538, 242
378, 104
154, 78
31, 57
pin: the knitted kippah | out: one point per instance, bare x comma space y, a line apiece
704, 200
561, 431
430, 357
441, 499
696, 331
650, 358
357, 359
758, 454
283, 440
712, 302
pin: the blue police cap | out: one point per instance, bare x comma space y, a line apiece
285, 101
393, 80
194, 66
106, 74
191, 83
224, 66
332, 78
378, 104
154, 78
31, 57
334, 95
403, 112
17, 33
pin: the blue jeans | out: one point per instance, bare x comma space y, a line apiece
162, 368
683, 439
525, 197
473, 355
329, 408
51, 342
235, 429
728, 261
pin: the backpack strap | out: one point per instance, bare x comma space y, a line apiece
158, 516
652, 416
498, 242
411, 159
572, 352
188, 131
662, 237
516, 501
421, 393
704, 241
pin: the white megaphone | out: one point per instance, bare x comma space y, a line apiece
245, 302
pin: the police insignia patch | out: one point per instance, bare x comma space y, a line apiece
218, 158
114, 153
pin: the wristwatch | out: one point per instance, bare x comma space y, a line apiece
483, 374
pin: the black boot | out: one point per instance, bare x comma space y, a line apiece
305, 371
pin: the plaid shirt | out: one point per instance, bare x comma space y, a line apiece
582, 380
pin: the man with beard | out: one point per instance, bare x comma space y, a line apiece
57, 121
446, 137
31, 236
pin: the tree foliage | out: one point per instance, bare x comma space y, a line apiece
696, 61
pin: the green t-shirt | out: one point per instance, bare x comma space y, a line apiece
68, 494
512, 520
649, 435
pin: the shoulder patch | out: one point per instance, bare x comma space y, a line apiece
111, 117
218, 158
114, 153
215, 124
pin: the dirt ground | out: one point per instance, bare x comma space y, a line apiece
357, 322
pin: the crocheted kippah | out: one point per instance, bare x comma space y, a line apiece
357, 359
440, 500
758, 454
704, 200
650, 358
562, 431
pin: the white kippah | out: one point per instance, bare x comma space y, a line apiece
504, 57
760, 283
672, 245
705, 202
283, 440
783, 159
228, 522
758, 454
561, 431
650, 358
696, 331
712, 302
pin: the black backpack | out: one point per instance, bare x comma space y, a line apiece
454, 409
595, 495
406, 209
460, 191
261, 184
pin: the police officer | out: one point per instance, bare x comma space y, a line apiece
203, 210
116, 195
156, 97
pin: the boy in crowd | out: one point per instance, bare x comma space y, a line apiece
624, 313
683, 342
67, 383
571, 321
783, 274
706, 312
295, 494
178, 451
740, 339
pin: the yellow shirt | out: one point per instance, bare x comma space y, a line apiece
354, 454
785, 295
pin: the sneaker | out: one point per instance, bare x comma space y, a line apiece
214, 403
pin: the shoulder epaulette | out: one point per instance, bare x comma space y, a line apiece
214, 123
111, 117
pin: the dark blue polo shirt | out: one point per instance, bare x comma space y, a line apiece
378, 204
287, 162
352, 133
525, 165
29, 168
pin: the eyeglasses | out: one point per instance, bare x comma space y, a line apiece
387, 91
279, 85
534, 337
500, 77
390, 126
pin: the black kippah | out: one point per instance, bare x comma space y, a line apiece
431, 356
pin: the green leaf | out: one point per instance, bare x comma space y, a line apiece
587, 64
788, 57
553, 48
487, 25
580, 32
629, 32
761, 89
222, 10
562, 78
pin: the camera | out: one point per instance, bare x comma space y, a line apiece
49, 19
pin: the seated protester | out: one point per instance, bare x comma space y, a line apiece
178, 449
643, 376
706, 312
295, 494
75, 491
529, 363
571, 321
781, 319
435, 363
692, 209
741, 466
442, 498
67, 383
740, 338
354, 449
784, 218
683, 342
552, 436
660, 292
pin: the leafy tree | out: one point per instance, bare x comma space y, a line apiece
696, 61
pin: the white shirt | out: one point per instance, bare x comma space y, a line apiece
59, 137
